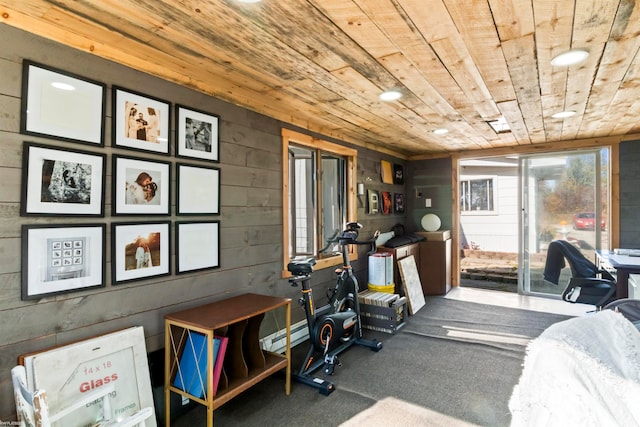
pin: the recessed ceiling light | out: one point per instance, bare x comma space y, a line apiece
391, 95
569, 58
249, 1
563, 114
441, 131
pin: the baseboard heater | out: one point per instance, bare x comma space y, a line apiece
276, 342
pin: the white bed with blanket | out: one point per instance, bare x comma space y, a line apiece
581, 372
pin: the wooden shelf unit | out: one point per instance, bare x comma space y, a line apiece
245, 363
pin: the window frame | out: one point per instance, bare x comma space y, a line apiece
494, 182
351, 158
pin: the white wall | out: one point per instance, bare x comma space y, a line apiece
494, 231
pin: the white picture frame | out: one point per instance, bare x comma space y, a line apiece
140, 122
119, 357
61, 105
57, 259
197, 246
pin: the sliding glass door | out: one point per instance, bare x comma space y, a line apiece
564, 196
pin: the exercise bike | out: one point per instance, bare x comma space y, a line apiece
335, 327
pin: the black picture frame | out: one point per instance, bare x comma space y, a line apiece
197, 134
140, 250
197, 246
197, 189
398, 174
62, 105
398, 203
62, 258
61, 182
140, 186
140, 122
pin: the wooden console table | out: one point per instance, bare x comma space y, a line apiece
245, 363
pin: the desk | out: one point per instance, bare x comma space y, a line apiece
621, 266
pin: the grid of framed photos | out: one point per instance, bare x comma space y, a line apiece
69, 182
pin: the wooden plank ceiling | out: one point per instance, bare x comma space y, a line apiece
321, 64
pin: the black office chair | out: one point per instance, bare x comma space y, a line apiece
629, 308
588, 284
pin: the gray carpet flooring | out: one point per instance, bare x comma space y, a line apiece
456, 358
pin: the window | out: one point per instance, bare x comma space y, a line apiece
477, 195
318, 196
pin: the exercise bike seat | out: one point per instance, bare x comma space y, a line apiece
301, 267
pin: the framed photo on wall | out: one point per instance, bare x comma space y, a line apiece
140, 186
386, 172
62, 258
61, 105
57, 181
198, 190
197, 246
387, 203
139, 251
140, 122
197, 134
398, 203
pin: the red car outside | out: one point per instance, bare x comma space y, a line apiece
586, 221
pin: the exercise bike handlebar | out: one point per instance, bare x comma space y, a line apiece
349, 236
302, 268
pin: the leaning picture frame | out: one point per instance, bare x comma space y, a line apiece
140, 186
62, 258
61, 182
197, 134
140, 122
198, 190
118, 357
197, 246
61, 105
140, 250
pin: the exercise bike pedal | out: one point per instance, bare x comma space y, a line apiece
330, 365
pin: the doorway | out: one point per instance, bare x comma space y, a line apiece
512, 206
565, 196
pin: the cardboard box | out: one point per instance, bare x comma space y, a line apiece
435, 236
